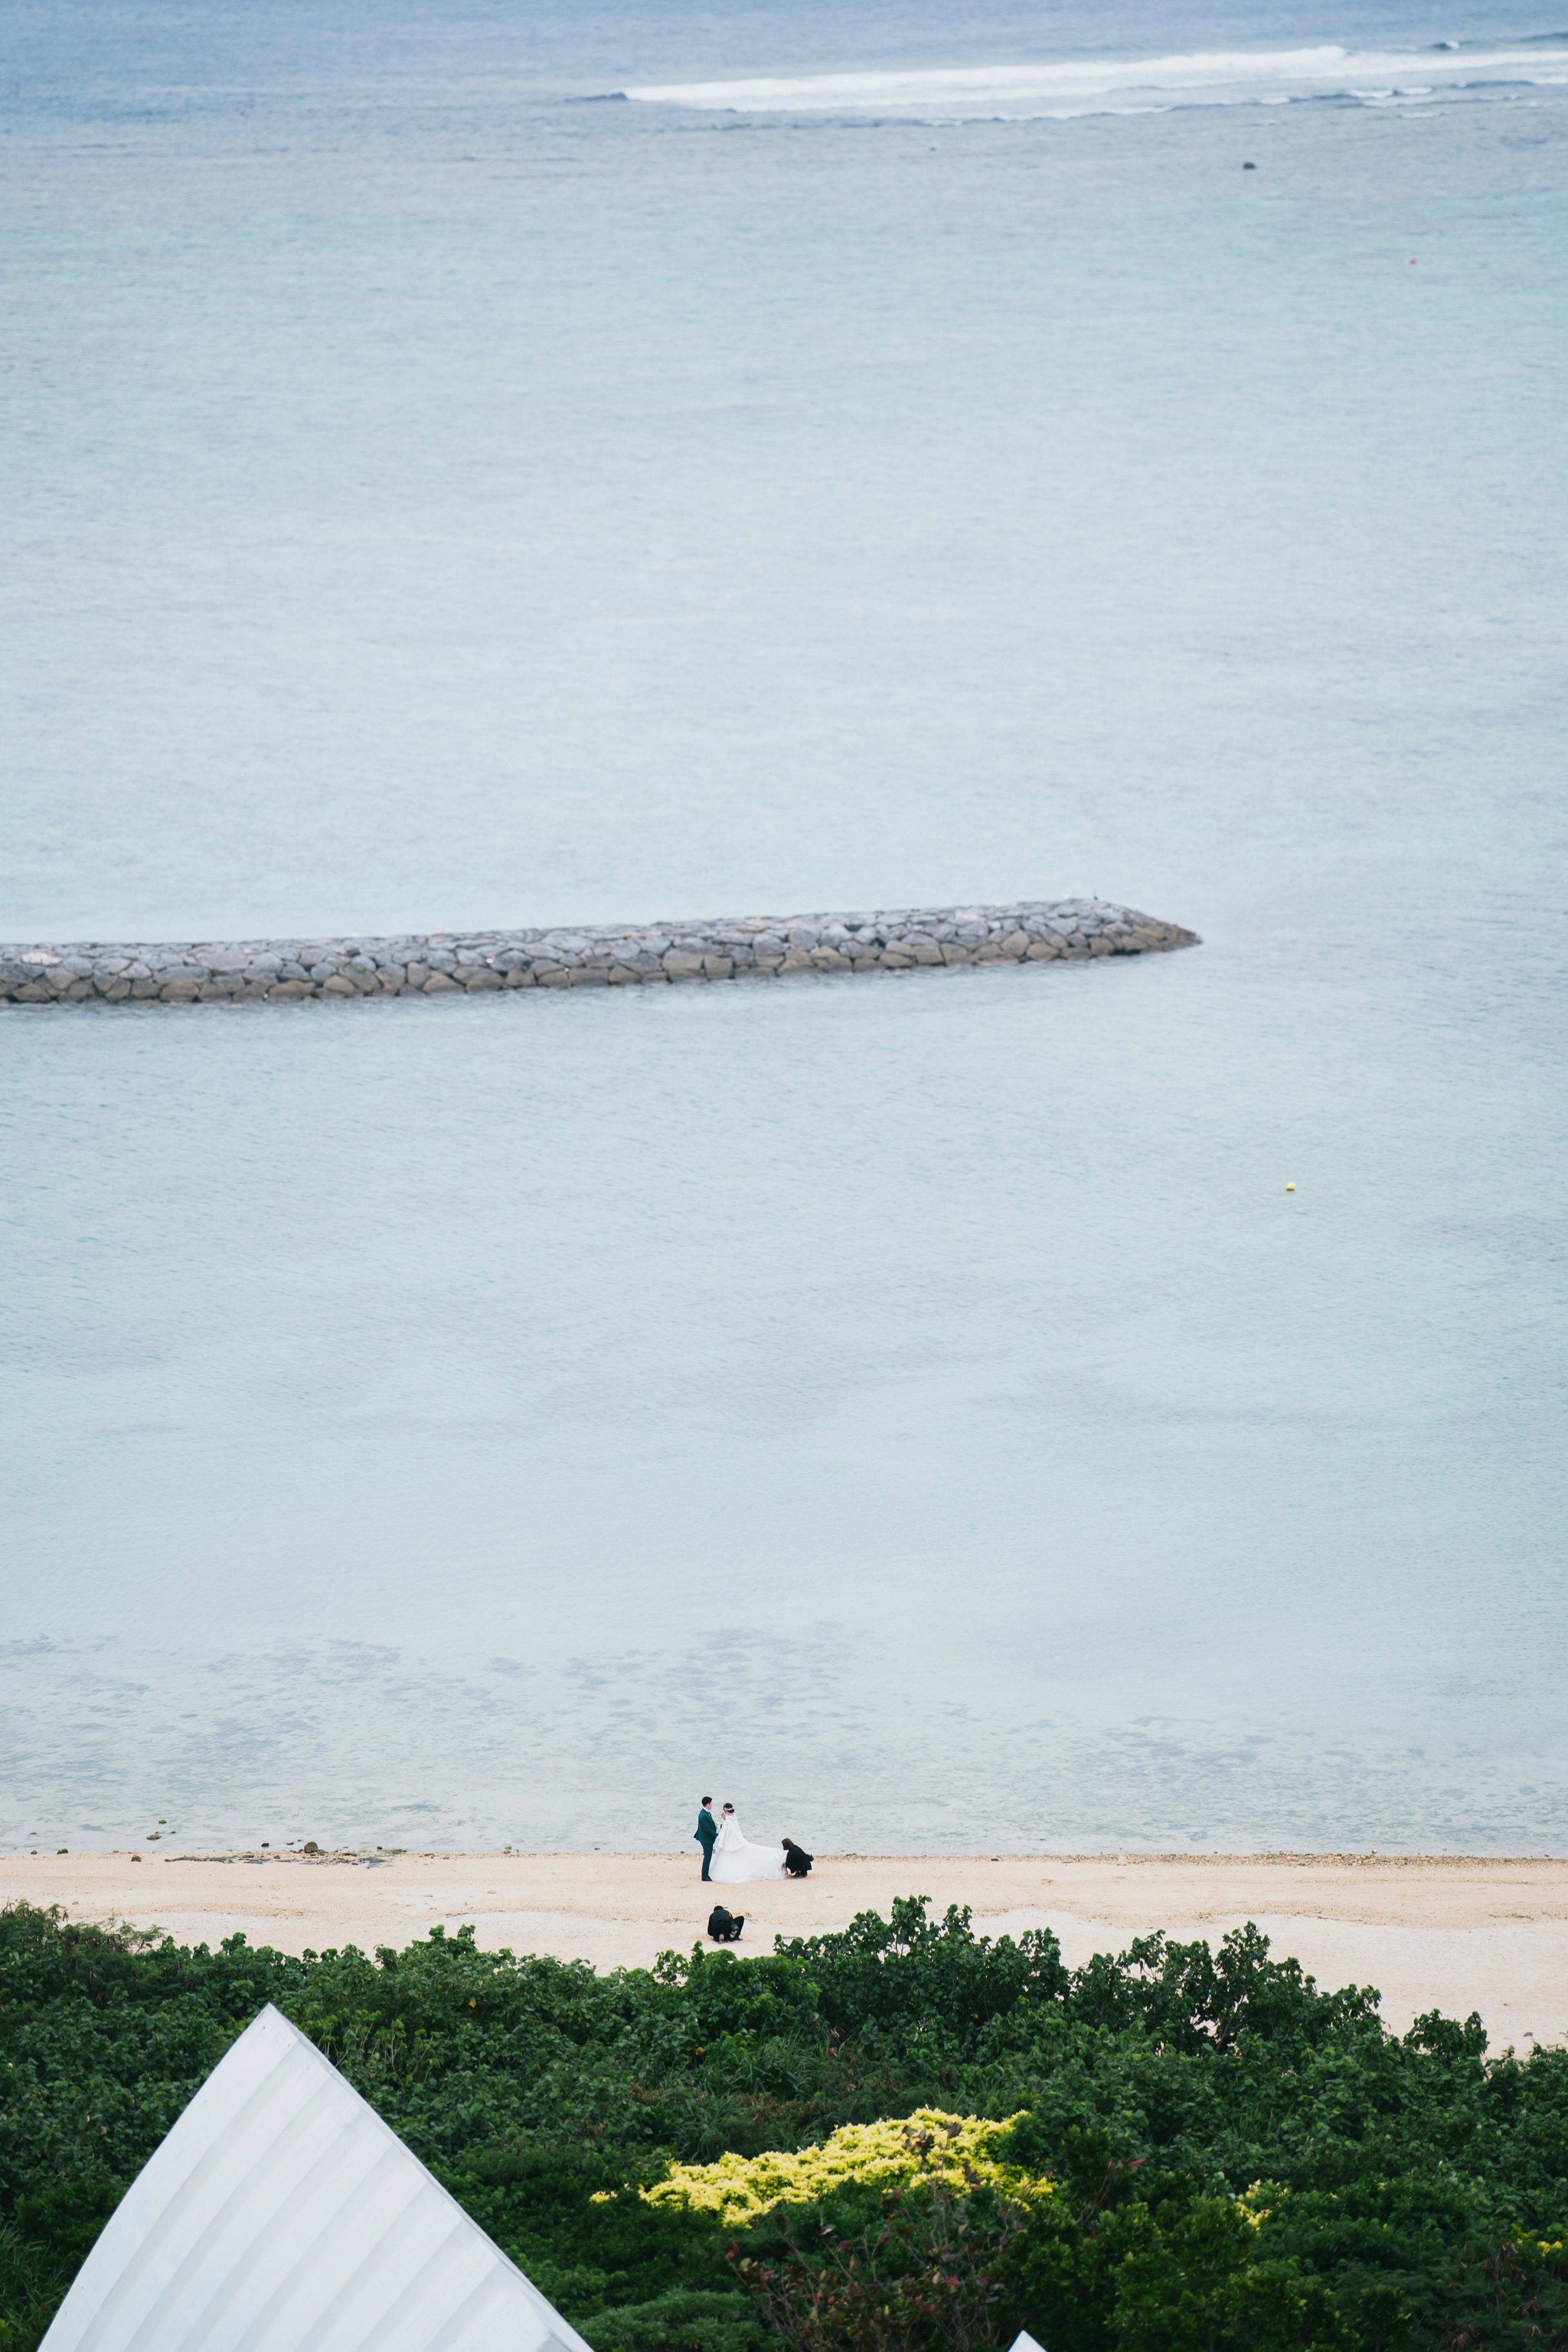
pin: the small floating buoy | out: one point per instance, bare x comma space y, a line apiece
1289, 1188
1250, 167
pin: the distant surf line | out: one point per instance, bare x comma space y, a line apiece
1094, 85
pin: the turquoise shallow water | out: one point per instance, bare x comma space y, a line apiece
915, 1406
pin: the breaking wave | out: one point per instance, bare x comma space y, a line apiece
1085, 86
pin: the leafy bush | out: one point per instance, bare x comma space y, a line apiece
680, 2321
928, 2146
916, 1983
927, 2278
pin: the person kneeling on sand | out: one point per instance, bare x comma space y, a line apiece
723, 1926
797, 1861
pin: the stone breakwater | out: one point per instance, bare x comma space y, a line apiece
442, 963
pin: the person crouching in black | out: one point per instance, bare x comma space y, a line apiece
797, 1861
723, 1926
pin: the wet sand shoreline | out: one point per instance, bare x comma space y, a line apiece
1437, 1931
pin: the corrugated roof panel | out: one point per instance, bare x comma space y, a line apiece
281, 2214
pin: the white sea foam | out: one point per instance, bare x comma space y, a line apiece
1097, 85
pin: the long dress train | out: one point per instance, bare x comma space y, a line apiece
734, 1861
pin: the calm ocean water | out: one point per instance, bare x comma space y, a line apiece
445, 488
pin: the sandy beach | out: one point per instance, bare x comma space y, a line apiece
1431, 1932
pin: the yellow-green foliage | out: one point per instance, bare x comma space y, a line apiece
926, 2146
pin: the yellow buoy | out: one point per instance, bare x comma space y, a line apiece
1289, 1188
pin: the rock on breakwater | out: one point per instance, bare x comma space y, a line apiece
442, 963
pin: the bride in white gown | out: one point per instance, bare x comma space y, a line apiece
734, 1861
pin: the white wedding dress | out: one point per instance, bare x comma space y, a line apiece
734, 1861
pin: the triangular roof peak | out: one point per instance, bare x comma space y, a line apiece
281, 2214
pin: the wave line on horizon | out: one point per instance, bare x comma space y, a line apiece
1219, 77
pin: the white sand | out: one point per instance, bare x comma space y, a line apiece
1446, 1933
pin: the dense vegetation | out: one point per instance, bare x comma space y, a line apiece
1172, 2151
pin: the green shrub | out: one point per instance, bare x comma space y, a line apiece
680, 2321
927, 2276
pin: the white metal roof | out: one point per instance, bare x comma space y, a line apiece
282, 2215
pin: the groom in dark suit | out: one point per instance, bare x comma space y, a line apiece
705, 1831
